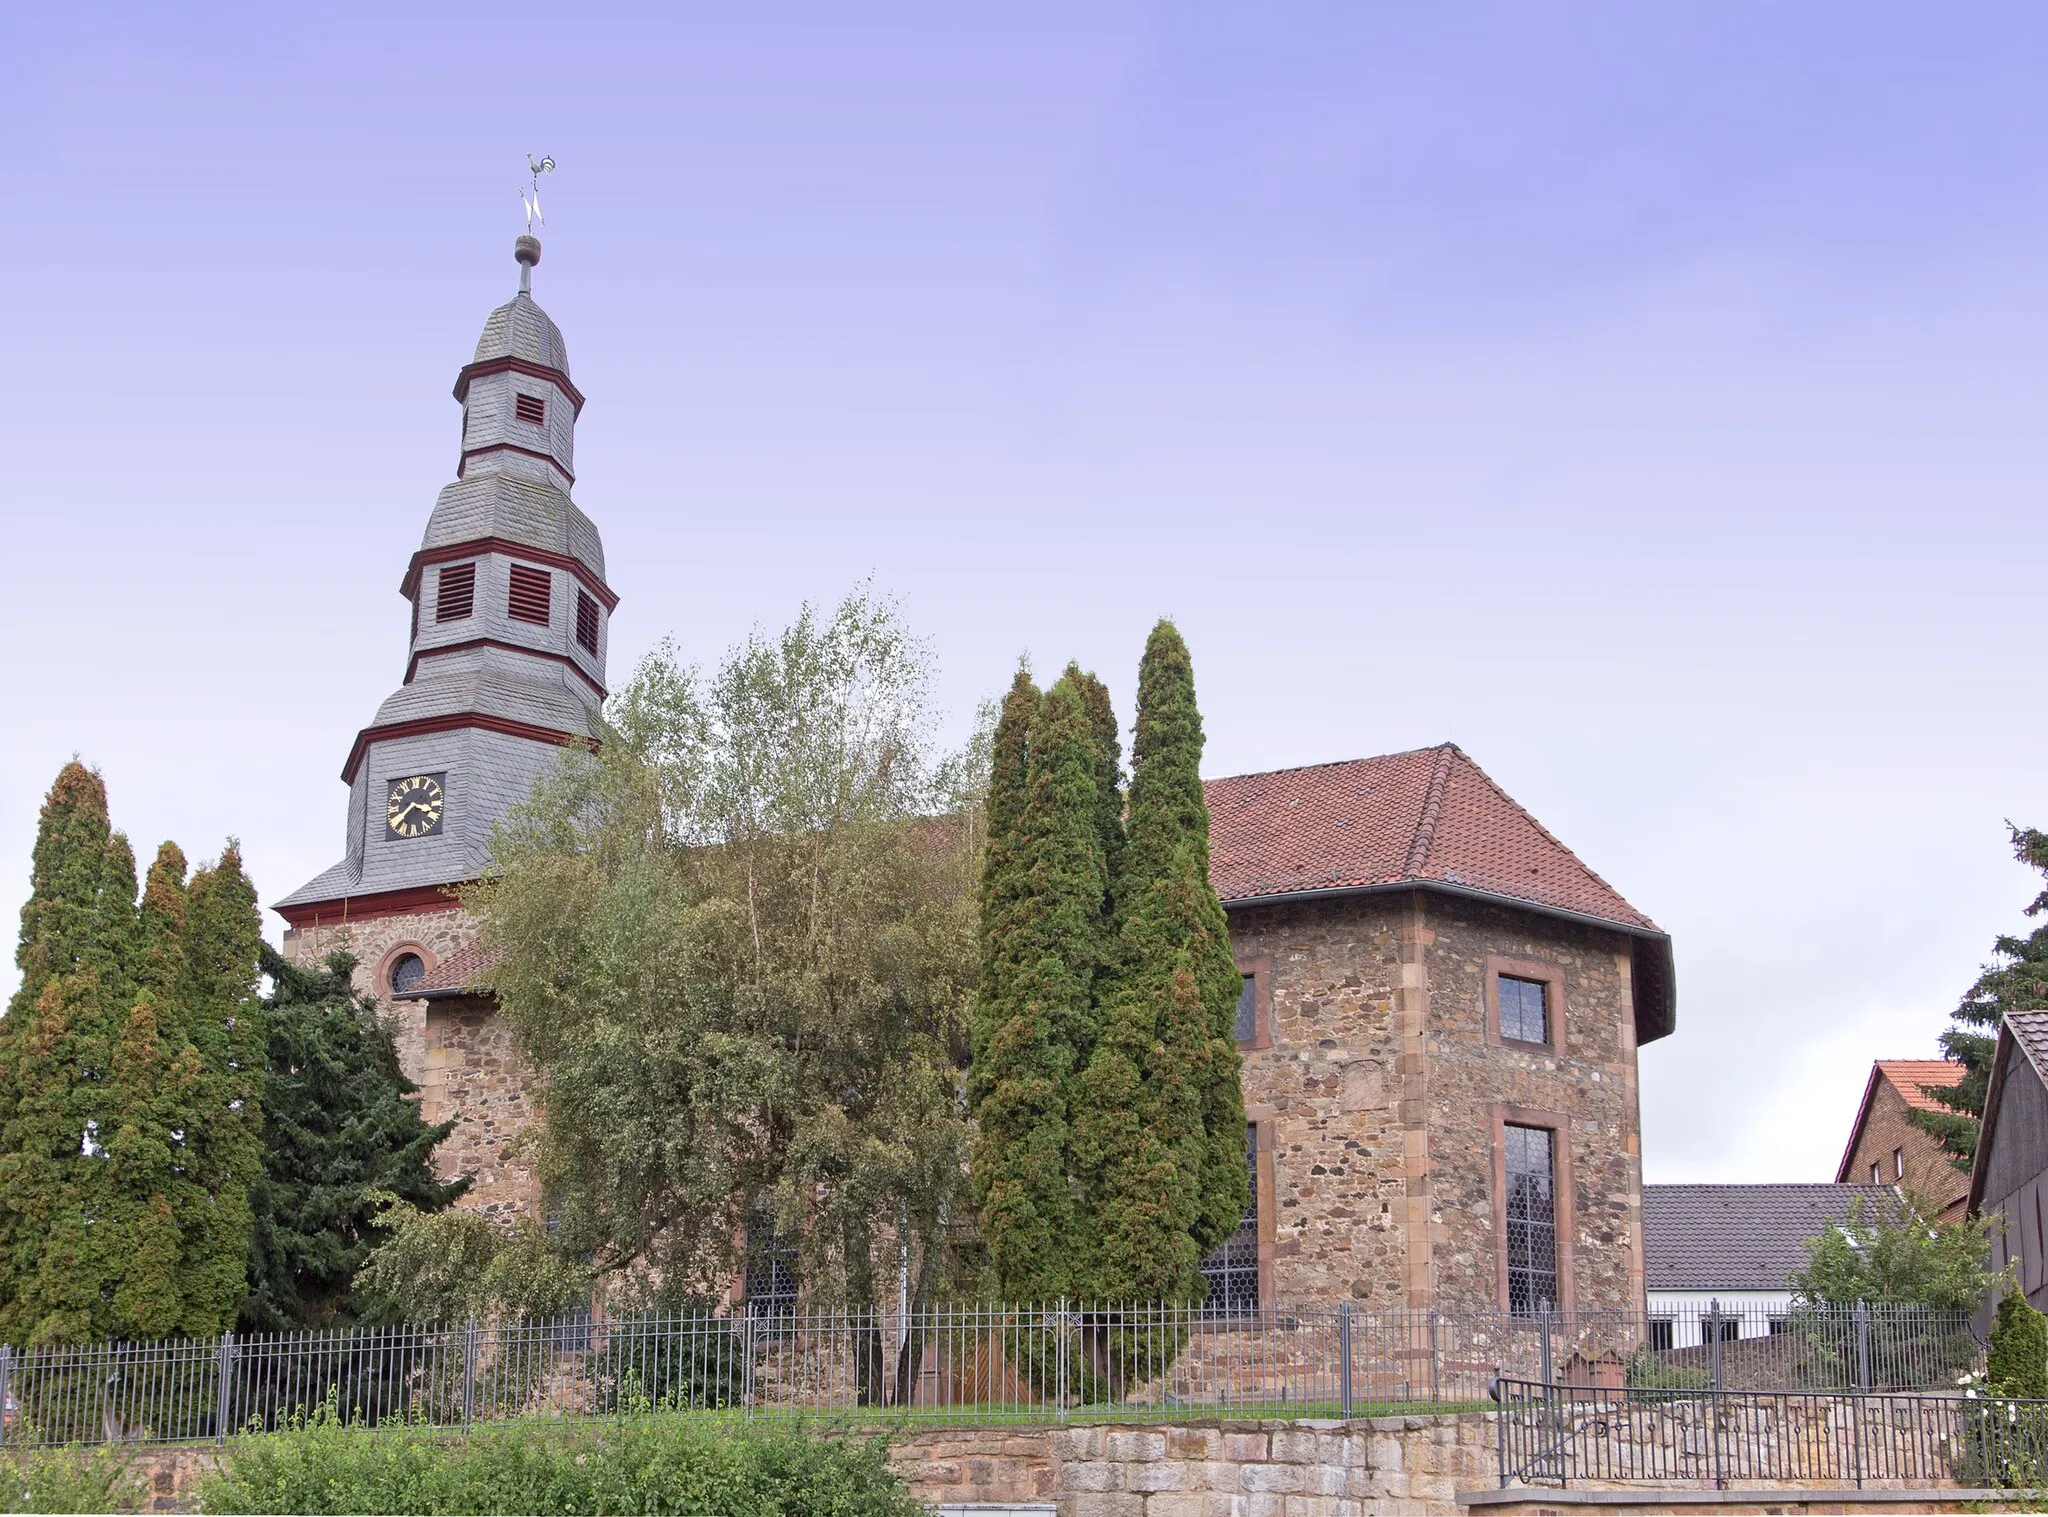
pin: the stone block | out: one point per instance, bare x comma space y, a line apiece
1177, 1504
1263, 1504
1294, 1446
1077, 1443
1217, 1504
1093, 1476
1195, 1443
1107, 1504
1269, 1478
1218, 1475
1132, 1447
1246, 1448
1163, 1475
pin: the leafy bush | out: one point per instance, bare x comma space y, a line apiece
700, 1465
70, 1479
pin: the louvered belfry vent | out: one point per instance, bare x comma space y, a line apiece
455, 592
586, 621
529, 598
530, 408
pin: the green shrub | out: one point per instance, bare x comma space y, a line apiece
70, 1479
700, 1465
2018, 1362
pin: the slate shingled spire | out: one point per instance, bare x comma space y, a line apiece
510, 623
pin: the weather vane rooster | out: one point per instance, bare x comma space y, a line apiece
531, 198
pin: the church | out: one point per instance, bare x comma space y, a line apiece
1442, 1003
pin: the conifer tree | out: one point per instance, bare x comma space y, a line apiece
1159, 1123
2016, 980
1037, 1012
123, 1162
341, 1136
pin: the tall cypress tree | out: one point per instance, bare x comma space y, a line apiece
1047, 897
80, 1249
1160, 1125
223, 1134
340, 1132
122, 1205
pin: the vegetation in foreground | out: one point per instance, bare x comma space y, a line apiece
680, 1465
70, 1479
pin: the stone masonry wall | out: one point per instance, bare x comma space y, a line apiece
456, 1050
1382, 1098
1588, 1084
1327, 1091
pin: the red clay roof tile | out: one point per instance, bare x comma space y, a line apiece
1426, 816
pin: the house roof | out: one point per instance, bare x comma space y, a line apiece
1912, 1079
2027, 1032
1739, 1237
1426, 819
1427, 816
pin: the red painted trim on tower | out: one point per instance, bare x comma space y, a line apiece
462, 463
478, 545
455, 721
413, 664
416, 901
517, 366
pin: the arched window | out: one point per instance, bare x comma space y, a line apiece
407, 971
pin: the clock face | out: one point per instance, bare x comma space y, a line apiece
412, 806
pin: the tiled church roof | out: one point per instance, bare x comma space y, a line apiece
1430, 816
520, 329
1913, 1078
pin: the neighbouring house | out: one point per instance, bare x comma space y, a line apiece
1735, 1247
1442, 1004
1885, 1148
2011, 1171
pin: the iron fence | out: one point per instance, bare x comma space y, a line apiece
934, 1365
1558, 1435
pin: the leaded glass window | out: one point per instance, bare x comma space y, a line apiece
770, 1285
1248, 1010
1232, 1268
1532, 1221
1524, 1010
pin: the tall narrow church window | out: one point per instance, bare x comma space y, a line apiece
455, 592
586, 621
1532, 1221
1248, 1009
530, 408
769, 1284
1524, 1010
530, 592
1232, 1268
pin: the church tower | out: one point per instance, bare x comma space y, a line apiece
510, 617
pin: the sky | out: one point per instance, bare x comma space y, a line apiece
1644, 397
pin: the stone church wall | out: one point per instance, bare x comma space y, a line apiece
1382, 1094
455, 1049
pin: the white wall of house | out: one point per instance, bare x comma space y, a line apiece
1750, 1312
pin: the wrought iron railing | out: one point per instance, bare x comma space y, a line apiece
953, 1364
1562, 1436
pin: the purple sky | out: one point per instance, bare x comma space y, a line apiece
1645, 397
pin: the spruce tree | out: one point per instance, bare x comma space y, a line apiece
2016, 980
1043, 936
341, 1133
1160, 1121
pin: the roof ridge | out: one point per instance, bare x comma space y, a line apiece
1369, 758
1558, 843
1432, 807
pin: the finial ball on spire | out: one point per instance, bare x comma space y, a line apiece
527, 250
